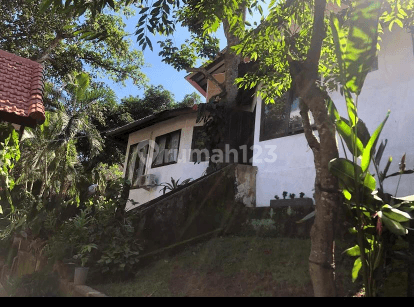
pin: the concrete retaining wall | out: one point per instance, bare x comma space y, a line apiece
209, 203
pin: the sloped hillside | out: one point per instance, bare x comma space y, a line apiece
229, 266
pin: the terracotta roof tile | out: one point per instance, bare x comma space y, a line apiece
21, 90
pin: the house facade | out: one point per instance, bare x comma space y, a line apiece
160, 148
389, 86
281, 155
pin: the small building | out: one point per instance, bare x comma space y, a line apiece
281, 155
175, 132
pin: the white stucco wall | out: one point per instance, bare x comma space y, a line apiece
182, 170
391, 87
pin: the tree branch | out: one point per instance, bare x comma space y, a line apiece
318, 36
45, 55
310, 136
88, 56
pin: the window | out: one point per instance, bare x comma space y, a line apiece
168, 145
199, 153
281, 118
137, 160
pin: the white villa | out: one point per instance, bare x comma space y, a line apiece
283, 160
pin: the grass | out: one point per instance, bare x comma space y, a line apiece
225, 266
240, 266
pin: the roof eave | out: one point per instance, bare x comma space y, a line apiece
122, 133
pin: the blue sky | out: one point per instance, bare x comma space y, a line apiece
157, 71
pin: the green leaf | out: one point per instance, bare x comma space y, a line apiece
368, 150
409, 198
345, 171
352, 230
346, 132
44, 6
370, 182
340, 46
362, 43
111, 4
351, 108
362, 132
395, 214
407, 172
149, 42
332, 111
393, 226
346, 193
353, 251
380, 151
355, 270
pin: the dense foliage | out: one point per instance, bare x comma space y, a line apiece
295, 45
64, 43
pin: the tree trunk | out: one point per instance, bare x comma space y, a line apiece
231, 62
304, 83
321, 259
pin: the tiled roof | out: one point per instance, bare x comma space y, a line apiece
21, 90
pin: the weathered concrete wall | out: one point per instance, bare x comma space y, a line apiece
280, 220
212, 202
246, 185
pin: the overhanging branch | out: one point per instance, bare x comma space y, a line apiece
310, 136
318, 35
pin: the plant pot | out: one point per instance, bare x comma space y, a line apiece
81, 273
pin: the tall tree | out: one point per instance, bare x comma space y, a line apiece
303, 59
156, 99
294, 47
49, 152
63, 42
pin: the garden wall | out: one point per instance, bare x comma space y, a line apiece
281, 219
224, 200
213, 202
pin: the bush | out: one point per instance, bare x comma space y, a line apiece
104, 240
118, 249
38, 284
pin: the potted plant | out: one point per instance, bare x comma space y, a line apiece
82, 258
290, 199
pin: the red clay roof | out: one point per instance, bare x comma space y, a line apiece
21, 90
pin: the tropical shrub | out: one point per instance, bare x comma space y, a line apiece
9, 155
100, 237
173, 185
37, 284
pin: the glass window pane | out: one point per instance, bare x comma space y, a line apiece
142, 160
161, 142
131, 162
173, 147
274, 119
